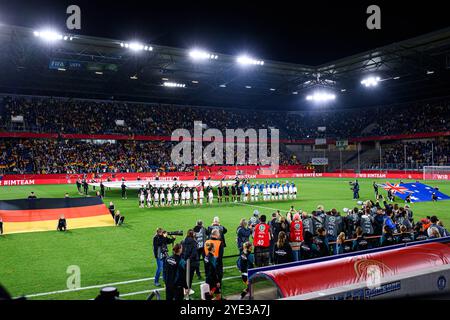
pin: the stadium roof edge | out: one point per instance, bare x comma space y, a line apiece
411, 43
438, 35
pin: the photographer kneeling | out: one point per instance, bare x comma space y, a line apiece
160, 251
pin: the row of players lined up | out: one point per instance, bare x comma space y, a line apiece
153, 196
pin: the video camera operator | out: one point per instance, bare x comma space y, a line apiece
160, 251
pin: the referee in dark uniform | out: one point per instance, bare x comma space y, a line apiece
124, 190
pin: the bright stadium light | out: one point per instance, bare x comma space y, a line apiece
370, 81
197, 54
321, 96
136, 46
246, 60
174, 85
49, 35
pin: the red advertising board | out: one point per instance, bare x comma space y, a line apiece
298, 280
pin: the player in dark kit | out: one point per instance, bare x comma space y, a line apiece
226, 192
85, 187
238, 191
233, 193
219, 193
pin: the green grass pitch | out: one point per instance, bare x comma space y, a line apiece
32, 263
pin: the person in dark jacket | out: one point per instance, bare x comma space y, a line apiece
112, 209
175, 275
243, 234
200, 237
216, 225
405, 236
419, 232
118, 218
360, 243
247, 261
62, 223
387, 238
190, 253
160, 251
211, 271
308, 249
321, 242
102, 190
378, 222
282, 251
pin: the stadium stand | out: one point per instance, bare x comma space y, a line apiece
73, 124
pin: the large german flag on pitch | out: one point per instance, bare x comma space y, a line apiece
29, 215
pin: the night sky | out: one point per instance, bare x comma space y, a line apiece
291, 31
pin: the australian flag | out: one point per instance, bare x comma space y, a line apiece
419, 192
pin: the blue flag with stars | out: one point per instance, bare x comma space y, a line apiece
419, 192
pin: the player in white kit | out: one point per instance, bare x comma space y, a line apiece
246, 192
149, 198
176, 197
183, 196
187, 193
257, 193
280, 192
291, 191
194, 196
252, 193
286, 191
162, 199
142, 199
156, 198
201, 195
210, 196
169, 197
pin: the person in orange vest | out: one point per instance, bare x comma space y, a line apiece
296, 236
216, 240
261, 242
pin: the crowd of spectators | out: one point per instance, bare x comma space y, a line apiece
43, 156
418, 154
97, 117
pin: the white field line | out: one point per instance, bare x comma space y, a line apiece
163, 289
97, 286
